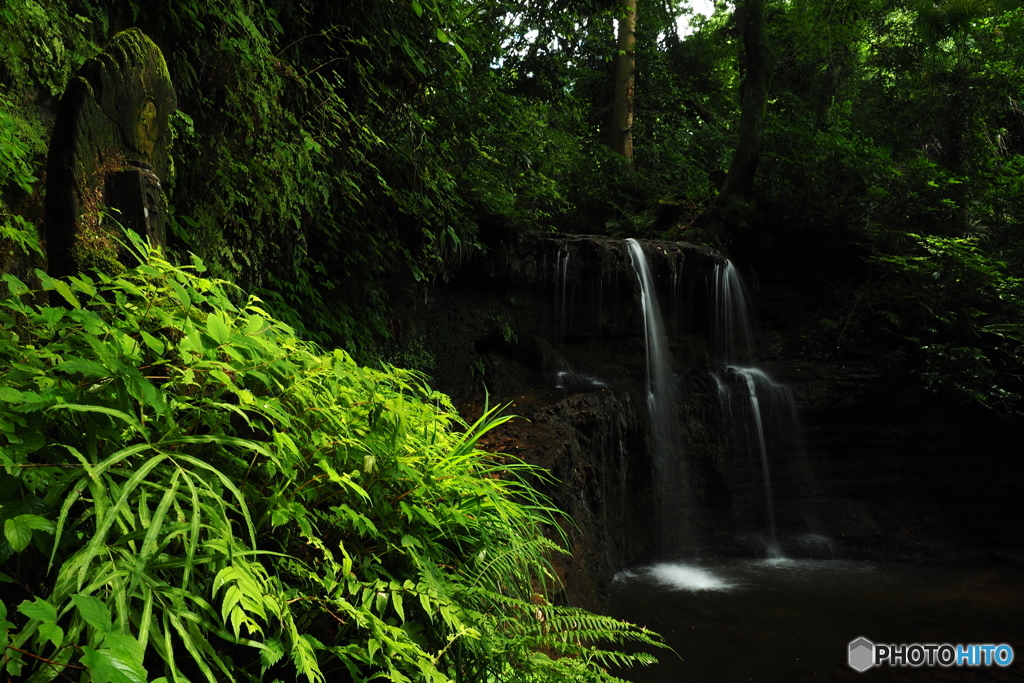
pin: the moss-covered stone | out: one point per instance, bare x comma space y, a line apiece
110, 150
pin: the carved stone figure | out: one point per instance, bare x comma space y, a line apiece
109, 157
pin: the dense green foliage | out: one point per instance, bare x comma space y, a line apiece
902, 126
321, 149
190, 492
329, 157
960, 317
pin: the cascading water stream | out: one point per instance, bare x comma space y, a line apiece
659, 384
755, 409
671, 480
731, 332
562, 296
748, 395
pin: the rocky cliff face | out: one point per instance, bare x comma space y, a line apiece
554, 328
552, 305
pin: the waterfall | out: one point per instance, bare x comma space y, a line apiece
563, 299
759, 413
670, 468
712, 470
561, 369
660, 383
731, 329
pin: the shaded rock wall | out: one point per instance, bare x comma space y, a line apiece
899, 473
902, 475
554, 327
592, 443
565, 304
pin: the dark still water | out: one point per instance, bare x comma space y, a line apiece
793, 620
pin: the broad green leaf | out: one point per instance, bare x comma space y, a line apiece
462, 53
155, 345
217, 329
396, 601
145, 392
83, 284
62, 288
18, 530
15, 286
254, 324
38, 609
93, 611
15, 664
192, 341
181, 294
10, 395
119, 661
50, 631
83, 366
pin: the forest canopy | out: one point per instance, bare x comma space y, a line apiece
330, 153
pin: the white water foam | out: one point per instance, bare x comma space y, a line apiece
687, 577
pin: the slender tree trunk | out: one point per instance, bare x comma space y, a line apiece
757, 75
621, 138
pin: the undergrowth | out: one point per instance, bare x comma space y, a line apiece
192, 493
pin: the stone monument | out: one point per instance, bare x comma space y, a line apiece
109, 159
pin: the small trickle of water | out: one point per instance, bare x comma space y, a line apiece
567, 379
749, 374
563, 296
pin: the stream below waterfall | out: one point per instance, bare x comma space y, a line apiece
793, 620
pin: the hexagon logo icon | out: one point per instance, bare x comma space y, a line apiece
862, 654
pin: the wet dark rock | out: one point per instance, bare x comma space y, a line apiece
513, 321
903, 475
555, 328
588, 441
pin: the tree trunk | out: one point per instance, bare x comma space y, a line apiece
621, 138
757, 74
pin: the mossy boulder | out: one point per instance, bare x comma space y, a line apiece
109, 154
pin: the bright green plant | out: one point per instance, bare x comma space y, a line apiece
190, 492
18, 144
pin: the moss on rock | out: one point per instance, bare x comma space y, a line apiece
112, 119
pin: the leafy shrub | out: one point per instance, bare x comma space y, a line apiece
18, 144
191, 492
957, 311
